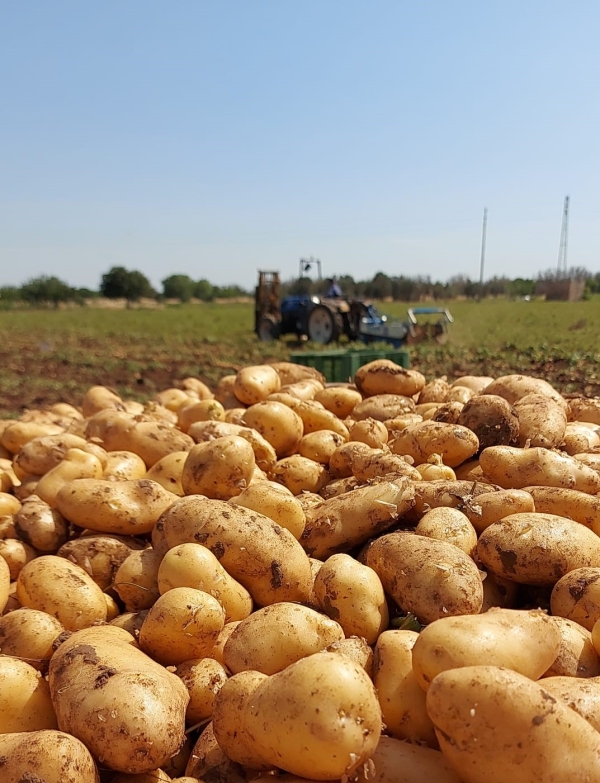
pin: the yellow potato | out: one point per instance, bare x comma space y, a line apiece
348, 520
303, 390
18, 433
168, 471
542, 421
300, 474
576, 656
136, 580
498, 592
123, 466
326, 730
580, 437
198, 387
9, 504
435, 470
370, 431
41, 526
276, 502
99, 398
25, 703
28, 634
383, 376
257, 552
576, 596
218, 469
126, 507
451, 525
491, 507
536, 738
203, 677
377, 463
524, 641
290, 372
441, 492
76, 464
383, 407
174, 399
515, 387
264, 453
340, 462
352, 594
183, 624
62, 758
16, 554
40, 455
579, 506
427, 577
453, 443
514, 468
99, 555
200, 410
315, 417
278, 424
537, 549
254, 384
318, 446
62, 589
274, 637
434, 391
401, 698
581, 695
339, 400
355, 648
193, 565
493, 420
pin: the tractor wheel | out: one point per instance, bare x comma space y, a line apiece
268, 329
324, 325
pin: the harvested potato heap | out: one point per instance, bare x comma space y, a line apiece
388, 580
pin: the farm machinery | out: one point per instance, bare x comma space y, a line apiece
323, 319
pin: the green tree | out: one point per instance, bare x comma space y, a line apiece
46, 290
204, 291
121, 283
178, 287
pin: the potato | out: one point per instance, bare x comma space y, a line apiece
203, 677
449, 412
198, 387
590, 460
498, 592
58, 756
383, 407
264, 453
542, 421
491, 507
315, 417
16, 554
576, 656
524, 641
579, 506
199, 410
155, 776
41, 526
28, 634
76, 464
434, 391
435, 470
514, 468
218, 469
195, 566
453, 443
453, 494
18, 433
276, 502
130, 621
99, 671
355, 648
303, 390
99, 398
124, 466
343, 522
540, 739
379, 463
278, 424
338, 487
352, 595
493, 420
576, 596
289, 372
386, 377
25, 703
100, 556
40, 455
183, 624
459, 395
274, 637
401, 699
537, 549
339, 400
370, 431
62, 589
136, 579
451, 525
299, 474
254, 384
340, 462
325, 731
174, 399
264, 557
217, 651
581, 695
515, 387
234, 416
319, 446
398, 423
429, 578
126, 507
9, 504
207, 761
579, 437
168, 471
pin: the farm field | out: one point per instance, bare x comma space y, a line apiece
48, 356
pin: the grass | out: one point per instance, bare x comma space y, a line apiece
47, 356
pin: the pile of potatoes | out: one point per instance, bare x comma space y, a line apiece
280, 579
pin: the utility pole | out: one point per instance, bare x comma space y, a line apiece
482, 263
564, 241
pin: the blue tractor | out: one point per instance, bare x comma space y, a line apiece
324, 320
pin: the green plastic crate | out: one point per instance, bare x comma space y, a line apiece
339, 366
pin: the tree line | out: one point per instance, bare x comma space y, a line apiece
132, 285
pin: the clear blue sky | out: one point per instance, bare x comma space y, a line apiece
216, 138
